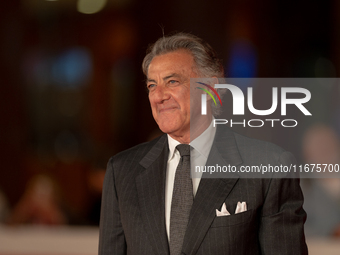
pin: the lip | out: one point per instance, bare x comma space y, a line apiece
166, 109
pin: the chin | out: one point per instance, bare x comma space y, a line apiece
171, 128
167, 130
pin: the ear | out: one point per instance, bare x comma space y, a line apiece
214, 81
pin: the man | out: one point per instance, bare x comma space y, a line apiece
143, 195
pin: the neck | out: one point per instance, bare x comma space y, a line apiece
196, 129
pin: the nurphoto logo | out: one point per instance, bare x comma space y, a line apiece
239, 104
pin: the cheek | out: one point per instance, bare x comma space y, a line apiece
153, 111
188, 104
196, 97
152, 104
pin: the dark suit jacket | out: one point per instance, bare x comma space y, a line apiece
133, 203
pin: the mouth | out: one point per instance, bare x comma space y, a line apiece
167, 109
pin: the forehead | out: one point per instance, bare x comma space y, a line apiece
179, 61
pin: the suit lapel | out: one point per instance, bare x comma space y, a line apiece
211, 192
151, 195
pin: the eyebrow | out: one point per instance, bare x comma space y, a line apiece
165, 78
150, 80
171, 76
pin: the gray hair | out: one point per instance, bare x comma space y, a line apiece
207, 63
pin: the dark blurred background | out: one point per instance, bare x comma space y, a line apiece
73, 94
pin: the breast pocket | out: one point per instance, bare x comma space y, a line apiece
231, 220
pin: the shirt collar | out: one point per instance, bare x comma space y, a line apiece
172, 147
202, 143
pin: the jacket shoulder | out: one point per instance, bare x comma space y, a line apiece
245, 142
139, 151
262, 151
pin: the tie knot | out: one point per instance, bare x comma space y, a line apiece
184, 149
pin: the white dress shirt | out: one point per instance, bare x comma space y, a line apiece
198, 157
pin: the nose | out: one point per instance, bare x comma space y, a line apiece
161, 94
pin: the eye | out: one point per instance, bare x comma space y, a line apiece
173, 82
151, 86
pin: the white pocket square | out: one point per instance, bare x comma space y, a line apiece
241, 207
223, 212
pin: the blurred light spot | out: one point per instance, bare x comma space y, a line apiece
324, 68
90, 6
66, 146
243, 60
118, 39
72, 69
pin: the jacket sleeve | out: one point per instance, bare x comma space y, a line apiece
282, 221
111, 233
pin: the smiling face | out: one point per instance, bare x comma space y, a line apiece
168, 82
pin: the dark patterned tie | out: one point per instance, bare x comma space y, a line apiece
182, 199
